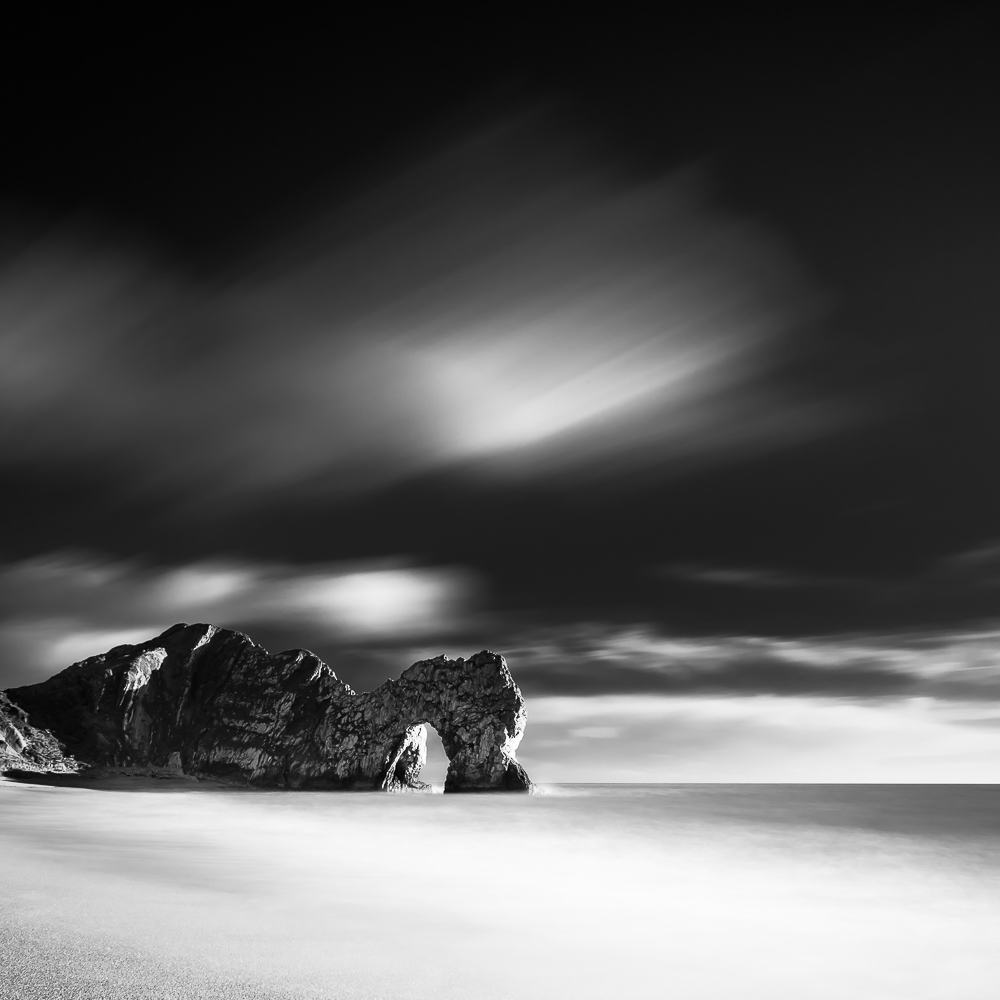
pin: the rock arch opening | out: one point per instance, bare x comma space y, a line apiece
435, 768
416, 760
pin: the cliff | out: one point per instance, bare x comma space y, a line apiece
211, 703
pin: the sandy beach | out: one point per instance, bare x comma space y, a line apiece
176, 890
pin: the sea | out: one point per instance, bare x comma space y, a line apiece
174, 889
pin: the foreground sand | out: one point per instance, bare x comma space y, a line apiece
162, 889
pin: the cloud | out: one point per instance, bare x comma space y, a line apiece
605, 701
959, 586
978, 566
641, 660
880, 707
512, 304
63, 607
769, 738
596, 732
752, 577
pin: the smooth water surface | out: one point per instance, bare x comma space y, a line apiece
687, 891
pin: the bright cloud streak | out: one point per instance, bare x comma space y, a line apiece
511, 305
61, 608
373, 602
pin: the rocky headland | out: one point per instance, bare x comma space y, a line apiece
210, 703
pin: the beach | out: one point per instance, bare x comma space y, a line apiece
176, 889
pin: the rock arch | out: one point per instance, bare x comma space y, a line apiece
477, 710
210, 702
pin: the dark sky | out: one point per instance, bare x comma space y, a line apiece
682, 327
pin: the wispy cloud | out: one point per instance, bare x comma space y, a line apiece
63, 607
598, 660
978, 565
948, 578
512, 303
753, 577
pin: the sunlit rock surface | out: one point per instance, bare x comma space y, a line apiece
209, 702
24, 747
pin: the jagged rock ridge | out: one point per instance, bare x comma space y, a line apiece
209, 702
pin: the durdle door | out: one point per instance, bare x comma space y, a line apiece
209, 702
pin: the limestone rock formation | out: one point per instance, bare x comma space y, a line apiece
209, 702
25, 748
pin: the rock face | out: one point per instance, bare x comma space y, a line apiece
25, 748
210, 702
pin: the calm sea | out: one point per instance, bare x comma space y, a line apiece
679, 891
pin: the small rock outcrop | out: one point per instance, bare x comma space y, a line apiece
25, 748
210, 703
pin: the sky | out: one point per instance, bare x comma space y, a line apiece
660, 361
